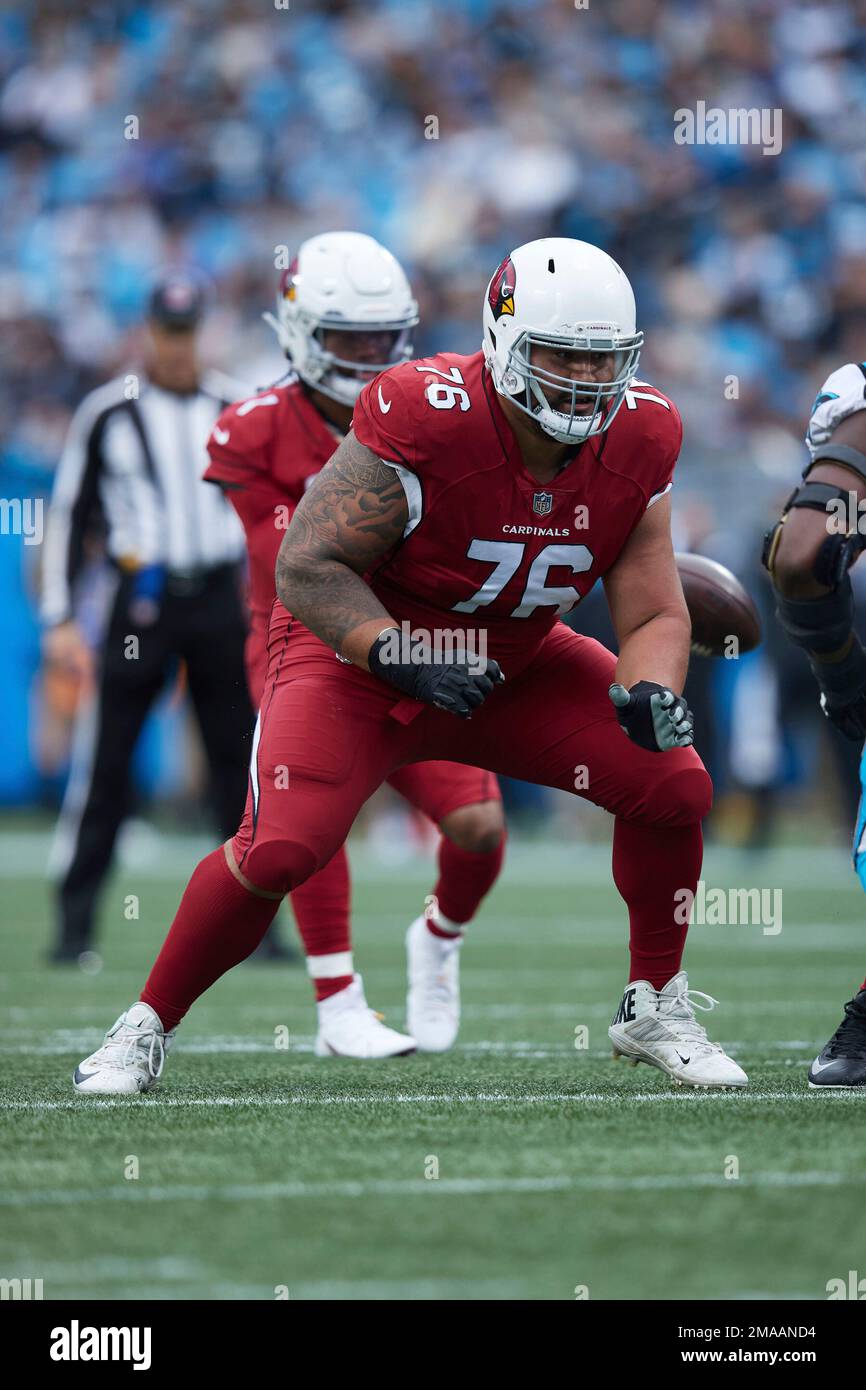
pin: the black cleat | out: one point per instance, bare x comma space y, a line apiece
66, 951
842, 1062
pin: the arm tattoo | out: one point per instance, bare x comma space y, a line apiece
353, 514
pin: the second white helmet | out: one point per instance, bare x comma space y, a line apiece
349, 282
558, 292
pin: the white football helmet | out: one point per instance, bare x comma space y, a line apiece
344, 281
567, 294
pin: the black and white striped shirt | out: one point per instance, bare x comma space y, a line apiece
137, 453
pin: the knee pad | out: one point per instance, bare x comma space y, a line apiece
476, 831
840, 548
818, 624
278, 866
683, 797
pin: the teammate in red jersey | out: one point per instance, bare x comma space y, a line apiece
474, 500
265, 451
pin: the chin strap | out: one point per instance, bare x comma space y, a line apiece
561, 436
322, 384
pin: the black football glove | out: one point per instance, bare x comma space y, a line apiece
454, 686
850, 719
843, 691
653, 716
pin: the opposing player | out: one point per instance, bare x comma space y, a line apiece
265, 452
480, 497
808, 554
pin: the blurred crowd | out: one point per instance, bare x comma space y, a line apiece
135, 136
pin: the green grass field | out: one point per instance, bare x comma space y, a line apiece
262, 1167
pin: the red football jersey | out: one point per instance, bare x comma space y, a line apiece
267, 449
487, 545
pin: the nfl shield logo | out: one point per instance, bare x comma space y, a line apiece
542, 503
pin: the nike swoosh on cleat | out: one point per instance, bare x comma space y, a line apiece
685, 1060
821, 1066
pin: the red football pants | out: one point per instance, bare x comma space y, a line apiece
321, 903
329, 734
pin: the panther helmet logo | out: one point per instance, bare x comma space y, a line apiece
500, 296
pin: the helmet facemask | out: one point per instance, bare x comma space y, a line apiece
343, 378
351, 285
526, 384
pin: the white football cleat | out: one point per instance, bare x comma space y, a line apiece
348, 1027
131, 1057
659, 1027
433, 1001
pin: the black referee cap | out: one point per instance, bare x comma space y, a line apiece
177, 301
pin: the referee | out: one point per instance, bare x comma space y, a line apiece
132, 468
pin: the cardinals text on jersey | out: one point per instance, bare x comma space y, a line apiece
485, 543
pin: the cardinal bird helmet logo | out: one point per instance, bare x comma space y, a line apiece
501, 293
287, 281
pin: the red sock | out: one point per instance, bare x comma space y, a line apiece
218, 924
321, 908
465, 877
325, 988
650, 866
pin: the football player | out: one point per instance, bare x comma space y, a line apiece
480, 495
265, 451
808, 554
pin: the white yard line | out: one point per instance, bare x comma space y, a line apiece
795, 1053
280, 1012
416, 1187
279, 1008
677, 1095
63, 1040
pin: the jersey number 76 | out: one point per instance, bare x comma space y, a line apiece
507, 557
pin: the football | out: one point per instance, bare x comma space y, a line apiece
719, 607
